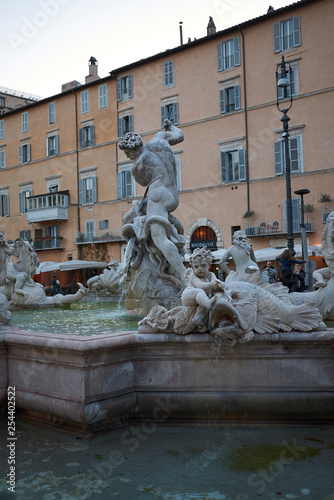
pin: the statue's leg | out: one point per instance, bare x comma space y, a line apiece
168, 250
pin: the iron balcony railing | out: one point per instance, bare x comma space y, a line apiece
276, 227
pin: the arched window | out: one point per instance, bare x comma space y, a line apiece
204, 236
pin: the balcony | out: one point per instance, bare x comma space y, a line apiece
101, 236
48, 243
276, 228
48, 207
325, 213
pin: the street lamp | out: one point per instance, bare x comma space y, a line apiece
283, 69
301, 193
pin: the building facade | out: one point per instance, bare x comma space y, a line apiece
65, 184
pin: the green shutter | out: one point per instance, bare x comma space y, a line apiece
236, 47
175, 113
163, 115
119, 186
94, 194
237, 97
242, 165
222, 101
119, 89
223, 166
279, 162
220, 56
277, 37
130, 85
296, 31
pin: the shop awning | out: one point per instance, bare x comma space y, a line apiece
69, 265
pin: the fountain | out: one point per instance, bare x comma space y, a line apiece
206, 351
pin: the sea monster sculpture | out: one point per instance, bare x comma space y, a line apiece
109, 281
242, 307
323, 297
19, 287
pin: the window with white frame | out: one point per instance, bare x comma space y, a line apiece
125, 124
25, 234
52, 145
293, 77
87, 136
90, 230
228, 54
84, 102
2, 158
87, 189
4, 203
287, 34
103, 96
24, 153
52, 185
2, 129
229, 97
25, 192
170, 111
124, 88
232, 161
25, 122
168, 73
295, 152
52, 237
104, 224
52, 112
125, 183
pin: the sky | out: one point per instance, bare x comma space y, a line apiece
46, 43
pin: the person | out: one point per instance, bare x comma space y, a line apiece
287, 266
270, 272
154, 167
201, 285
242, 253
56, 285
299, 284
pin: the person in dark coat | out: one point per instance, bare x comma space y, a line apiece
287, 266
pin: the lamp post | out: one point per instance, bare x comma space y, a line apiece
301, 193
282, 82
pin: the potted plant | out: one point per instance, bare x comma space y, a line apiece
247, 215
308, 209
325, 198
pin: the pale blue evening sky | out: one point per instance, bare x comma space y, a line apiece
46, 43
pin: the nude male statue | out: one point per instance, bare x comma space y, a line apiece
242, 253
154, 167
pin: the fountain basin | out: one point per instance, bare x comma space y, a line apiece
89, 384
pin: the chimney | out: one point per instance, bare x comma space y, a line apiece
92, 71
211, 28
181, 33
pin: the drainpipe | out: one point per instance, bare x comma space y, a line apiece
77, 161
246, 117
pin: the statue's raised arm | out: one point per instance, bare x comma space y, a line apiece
171, 133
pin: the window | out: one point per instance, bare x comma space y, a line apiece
90, 230
24, 153
103, 96
25, 234
84, 102
170, 111
4, 204
87, 136
295, 151
2, 129
124, 88
295, 202
52, 237
87, 190
287, 34
2, 102
23, 195
125, 124
169, 74
293, 77
103, 224
52, 145
52, 187
125, 184
233, 168
228, 54
25, 123
230, 99
2, 158
52, 112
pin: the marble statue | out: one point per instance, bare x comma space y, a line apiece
242, 254
19, 287
5, 314
323, 296
153, 264
243, 306
109, 281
